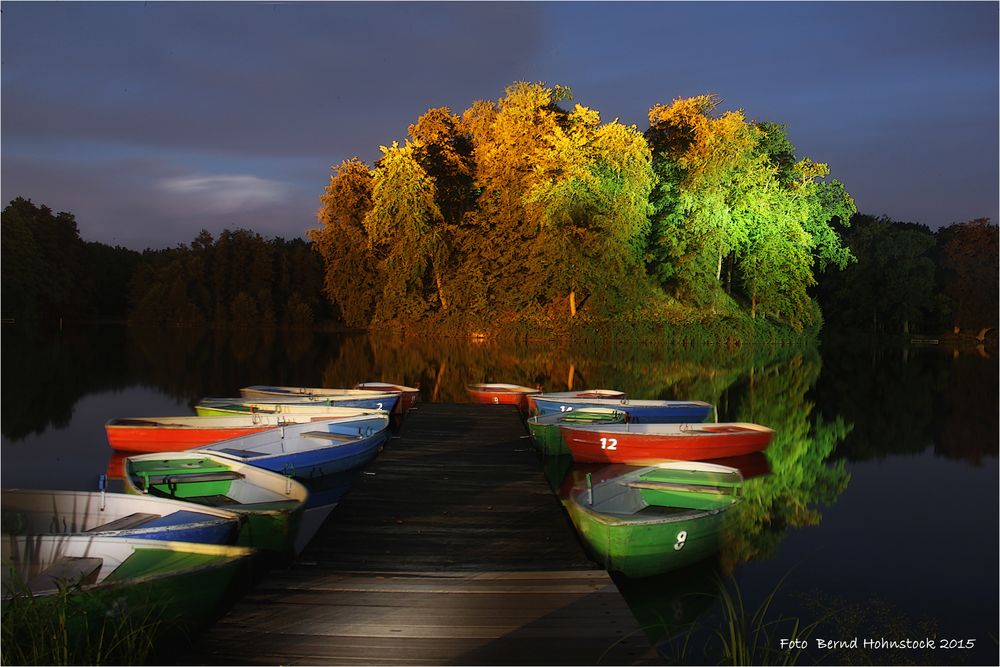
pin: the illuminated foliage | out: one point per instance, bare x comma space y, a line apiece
405, 233
732, 189
350, 279
524, 209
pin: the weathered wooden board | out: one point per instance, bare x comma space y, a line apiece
450, 549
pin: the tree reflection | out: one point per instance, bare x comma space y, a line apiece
802, 479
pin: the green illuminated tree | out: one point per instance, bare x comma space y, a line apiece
593, 211
731, 193
405, 233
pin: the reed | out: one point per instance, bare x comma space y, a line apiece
746, 638
737, 635
74, 627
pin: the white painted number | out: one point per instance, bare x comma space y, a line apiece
379, 406
681, 540
609, 443
563, 408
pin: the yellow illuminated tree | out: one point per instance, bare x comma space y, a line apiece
351, 278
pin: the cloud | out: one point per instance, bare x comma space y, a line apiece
227, 193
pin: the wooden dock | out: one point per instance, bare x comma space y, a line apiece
450, 549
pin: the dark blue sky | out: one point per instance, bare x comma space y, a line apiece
152, 121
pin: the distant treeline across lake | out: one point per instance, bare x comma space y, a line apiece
907, 279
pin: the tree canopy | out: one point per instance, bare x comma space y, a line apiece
524, 208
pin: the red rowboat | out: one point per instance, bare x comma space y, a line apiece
645, 444
501, 394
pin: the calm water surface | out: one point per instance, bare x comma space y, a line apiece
879, 515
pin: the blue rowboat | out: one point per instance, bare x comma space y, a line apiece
309, 450
637, 411
365, 400
581, 393
36, 512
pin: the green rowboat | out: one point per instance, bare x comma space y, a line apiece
548, 437
84, 589
271, 504
656, 519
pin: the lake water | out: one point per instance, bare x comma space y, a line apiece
879, 516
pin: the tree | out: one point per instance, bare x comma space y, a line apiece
404, 229
44, 270
698, 156
351, 279
732, 189
969, 273
891, 287
593, 211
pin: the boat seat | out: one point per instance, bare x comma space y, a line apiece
73, 569
181, 517
326, 435
124, 523
242, 453
185, 478
267, 505
676, 486
133, 422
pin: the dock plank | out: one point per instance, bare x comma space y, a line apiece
449, 549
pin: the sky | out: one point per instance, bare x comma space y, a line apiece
152, 121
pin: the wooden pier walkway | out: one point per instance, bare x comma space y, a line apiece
450, 549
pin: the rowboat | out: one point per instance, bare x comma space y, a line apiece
546, 432
584, 393
301, 405
271, 504
638, 411
173, 587
170, 434
261, 392
501, 394
408, 396
33, 512
311, 449
644, 444
655, 519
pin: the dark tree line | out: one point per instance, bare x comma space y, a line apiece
239, 279
909, 279
50, 273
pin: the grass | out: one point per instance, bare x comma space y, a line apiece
75, 627
736, 635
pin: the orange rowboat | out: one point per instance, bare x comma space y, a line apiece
501, 394
171, 434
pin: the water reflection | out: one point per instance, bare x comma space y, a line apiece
854, 404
